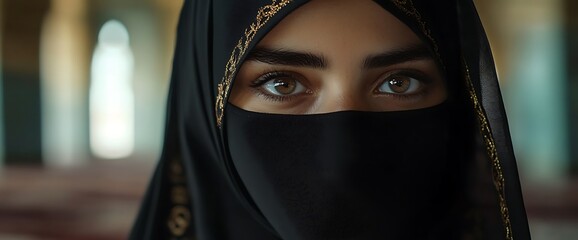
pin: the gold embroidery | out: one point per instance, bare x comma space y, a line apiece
179, 220
179, 217
409, 9
488, 138
263, 16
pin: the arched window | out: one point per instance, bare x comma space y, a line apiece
111, 99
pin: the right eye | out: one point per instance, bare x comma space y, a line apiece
400, 85
279, 84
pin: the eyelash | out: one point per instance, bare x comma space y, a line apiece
266, 77
417, 75
272, 74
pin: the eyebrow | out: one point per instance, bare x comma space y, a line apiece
411, 53
289, 58
308, 59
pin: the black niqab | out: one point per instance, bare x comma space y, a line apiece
198, 191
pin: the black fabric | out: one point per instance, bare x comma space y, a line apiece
479, 58
348, 175
219, 202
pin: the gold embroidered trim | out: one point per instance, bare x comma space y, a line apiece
409, 9
488, 138
179, 217
264, 14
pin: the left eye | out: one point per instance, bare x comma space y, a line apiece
283, 86
399, 85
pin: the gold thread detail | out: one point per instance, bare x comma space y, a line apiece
264, 14
179, 218
498, 176
409, 9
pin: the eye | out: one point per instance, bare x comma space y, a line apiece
399, 85
280, 84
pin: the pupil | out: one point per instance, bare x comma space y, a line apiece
399, 85
285, 86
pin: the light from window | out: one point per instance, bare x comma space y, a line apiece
111, 95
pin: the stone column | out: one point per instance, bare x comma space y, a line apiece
65, 58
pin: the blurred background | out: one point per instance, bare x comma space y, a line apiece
83, 87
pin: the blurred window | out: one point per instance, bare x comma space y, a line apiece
111, 94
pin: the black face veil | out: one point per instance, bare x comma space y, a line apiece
199, 190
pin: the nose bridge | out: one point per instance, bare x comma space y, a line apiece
344, 93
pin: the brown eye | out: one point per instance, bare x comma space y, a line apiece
283, 86
399, 85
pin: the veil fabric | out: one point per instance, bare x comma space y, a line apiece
196, 191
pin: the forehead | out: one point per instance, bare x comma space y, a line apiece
359, 26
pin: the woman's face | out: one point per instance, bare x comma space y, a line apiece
334, 55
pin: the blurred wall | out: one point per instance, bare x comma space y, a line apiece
22, 24
571, 17
528, 41
1, 89
47, 50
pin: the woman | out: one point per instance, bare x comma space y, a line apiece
334, 119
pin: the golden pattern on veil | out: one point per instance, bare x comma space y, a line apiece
180, 218
264, 14
498, 177
488, 138
406, 6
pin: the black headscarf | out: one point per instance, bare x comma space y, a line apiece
197, 192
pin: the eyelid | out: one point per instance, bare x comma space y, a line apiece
258, 84
268, 76
425, 80
412, 73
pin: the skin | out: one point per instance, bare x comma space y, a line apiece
337, 55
